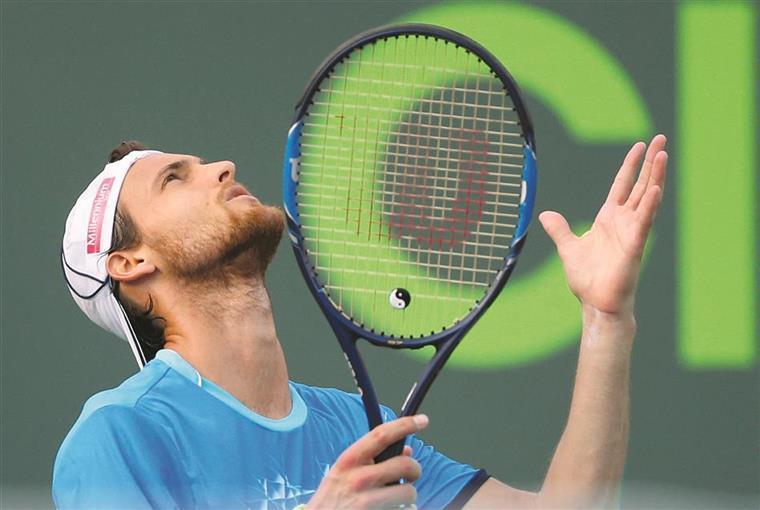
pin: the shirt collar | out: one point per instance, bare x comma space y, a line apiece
178, 363
294, 419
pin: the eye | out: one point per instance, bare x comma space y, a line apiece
169, 177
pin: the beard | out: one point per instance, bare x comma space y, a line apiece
237, 245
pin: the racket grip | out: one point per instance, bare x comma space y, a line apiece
392, 451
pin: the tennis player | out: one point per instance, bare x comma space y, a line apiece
170, 253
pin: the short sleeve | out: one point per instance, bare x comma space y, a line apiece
117, 458
444, 483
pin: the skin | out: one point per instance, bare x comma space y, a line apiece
203, 260
221, 320
602, 268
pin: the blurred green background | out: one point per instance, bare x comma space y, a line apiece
220, 79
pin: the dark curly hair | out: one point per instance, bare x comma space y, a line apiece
148, 327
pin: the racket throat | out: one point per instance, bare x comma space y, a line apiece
408, 397
425, 380
360, 374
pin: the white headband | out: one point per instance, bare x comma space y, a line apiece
86, 241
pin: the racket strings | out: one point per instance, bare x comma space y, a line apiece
381, 132
323, 126
428, 156
414, 67
401, 145
410, 177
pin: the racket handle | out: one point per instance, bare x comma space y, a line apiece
393, 450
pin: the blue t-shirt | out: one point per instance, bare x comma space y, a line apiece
167, 438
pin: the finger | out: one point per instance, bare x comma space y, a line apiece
378, 475
659, 170
556, 227
407, 451
378, 439
388, 497
648, 208
655, 147
623, 183
398, 468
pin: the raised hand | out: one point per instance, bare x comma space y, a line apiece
602, 265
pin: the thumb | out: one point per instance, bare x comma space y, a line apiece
556, 227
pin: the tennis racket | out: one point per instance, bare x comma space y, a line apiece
409, 183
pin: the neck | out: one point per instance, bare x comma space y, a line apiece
228, 335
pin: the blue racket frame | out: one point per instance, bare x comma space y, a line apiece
347, 331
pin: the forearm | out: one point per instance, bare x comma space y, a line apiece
588, 464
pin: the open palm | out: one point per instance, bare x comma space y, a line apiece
602, 265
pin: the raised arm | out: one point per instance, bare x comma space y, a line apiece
602, 268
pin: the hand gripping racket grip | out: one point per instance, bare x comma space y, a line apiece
392, 451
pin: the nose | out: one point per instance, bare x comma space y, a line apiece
225, 171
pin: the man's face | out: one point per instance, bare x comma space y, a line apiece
198, 219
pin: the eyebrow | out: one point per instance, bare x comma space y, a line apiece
176, 165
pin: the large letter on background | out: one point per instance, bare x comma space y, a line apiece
598, 105
716, 184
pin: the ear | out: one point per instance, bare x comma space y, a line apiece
128, 266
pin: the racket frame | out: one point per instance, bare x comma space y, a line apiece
346, 330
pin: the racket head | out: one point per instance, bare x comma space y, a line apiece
407, 130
